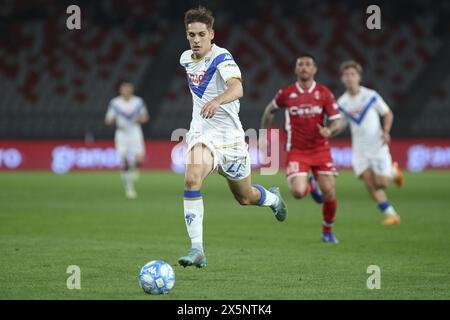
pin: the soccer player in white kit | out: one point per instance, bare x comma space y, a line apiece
216, 140
372, 162
128, 112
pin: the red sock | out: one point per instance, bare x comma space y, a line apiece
328, 210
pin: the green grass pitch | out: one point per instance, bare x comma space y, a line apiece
48, 222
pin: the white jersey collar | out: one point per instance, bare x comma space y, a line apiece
310, 89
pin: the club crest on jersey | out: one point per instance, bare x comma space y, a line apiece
293, 95
317, 95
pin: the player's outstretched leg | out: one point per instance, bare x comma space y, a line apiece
279, 208
398, 175
127, 179
375, 185
134, 168
326, 183
248, 194
391, 216
301, 186
199, 165
193, 214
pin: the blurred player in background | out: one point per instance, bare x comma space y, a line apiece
362, 108
128, 112
308, 105
215, 139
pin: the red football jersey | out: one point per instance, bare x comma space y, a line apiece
304, 110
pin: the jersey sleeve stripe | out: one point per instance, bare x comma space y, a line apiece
236, 76
336, 116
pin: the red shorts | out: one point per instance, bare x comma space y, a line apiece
319, 162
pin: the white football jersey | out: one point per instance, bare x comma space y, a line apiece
363, 112
125, 112
207, 79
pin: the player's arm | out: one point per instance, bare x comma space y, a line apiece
143, 115
234, 92
143, 118
109, 121
110, 116
388, 120
343, 124
266, 121
268, 115
332, 130
334, 118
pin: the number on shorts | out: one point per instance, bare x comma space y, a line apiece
293, 167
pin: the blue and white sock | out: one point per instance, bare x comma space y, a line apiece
387, 209
268, 199
193, 217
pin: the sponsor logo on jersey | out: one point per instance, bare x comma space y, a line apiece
197, 78
305, 110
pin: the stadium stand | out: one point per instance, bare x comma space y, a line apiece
57, 83
266, 48
434, 120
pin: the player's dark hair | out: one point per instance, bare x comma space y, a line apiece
199, 14
307, 55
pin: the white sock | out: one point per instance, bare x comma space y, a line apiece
268, 199
390, 211
127, 180
193, 217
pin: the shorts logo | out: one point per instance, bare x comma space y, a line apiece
292, 167
189, 218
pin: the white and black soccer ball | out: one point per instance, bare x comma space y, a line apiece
157, 277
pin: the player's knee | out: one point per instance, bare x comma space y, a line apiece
382, 183
138, 161
125, 164
192, 181
298, 193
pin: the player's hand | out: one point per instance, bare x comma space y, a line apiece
386, 137
210, 109
324, 131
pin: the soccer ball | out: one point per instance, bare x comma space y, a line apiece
157, 277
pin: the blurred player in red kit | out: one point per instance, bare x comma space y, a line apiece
308, 107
